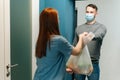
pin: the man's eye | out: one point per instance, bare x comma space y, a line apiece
87, 12
91, 12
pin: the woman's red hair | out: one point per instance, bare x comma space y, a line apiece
48, 20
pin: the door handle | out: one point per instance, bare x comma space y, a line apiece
8, 67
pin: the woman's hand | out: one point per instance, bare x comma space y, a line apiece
70, 71
82, 36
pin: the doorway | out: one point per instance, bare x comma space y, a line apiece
21, 39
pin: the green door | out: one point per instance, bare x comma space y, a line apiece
21, 51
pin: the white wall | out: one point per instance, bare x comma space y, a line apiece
109, 15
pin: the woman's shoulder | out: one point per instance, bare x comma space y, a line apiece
59, 38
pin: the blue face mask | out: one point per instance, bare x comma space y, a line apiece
89, 17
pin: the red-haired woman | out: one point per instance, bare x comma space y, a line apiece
52, 50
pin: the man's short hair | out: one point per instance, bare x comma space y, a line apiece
93, 6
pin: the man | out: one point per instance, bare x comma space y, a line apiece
94, 46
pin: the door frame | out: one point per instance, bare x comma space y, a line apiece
35, 30
7, 35
35, 24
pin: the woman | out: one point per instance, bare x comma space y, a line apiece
52, 50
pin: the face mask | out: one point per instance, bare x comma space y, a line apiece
89, 17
